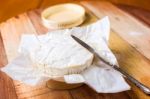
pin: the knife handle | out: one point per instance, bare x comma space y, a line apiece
144, 88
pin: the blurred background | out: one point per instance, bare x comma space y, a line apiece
9, 8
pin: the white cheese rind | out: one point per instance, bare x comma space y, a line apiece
97, 36
57, 54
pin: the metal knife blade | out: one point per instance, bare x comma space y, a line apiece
144, 88
89, 48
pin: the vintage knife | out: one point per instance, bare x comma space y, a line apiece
144, 88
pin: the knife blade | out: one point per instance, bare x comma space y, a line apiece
144, 88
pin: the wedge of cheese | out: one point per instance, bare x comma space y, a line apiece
56, 54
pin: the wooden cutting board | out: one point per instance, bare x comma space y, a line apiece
133, 55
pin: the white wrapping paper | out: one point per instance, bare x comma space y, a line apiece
98, 76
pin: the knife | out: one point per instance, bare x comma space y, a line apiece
144, 88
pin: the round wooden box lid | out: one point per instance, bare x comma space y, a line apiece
63, 16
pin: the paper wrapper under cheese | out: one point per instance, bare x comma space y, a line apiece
101, 78
22, 69
97, 36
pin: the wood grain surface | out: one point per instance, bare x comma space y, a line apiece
7, 89
140, 14
136, 3
130, 58
130, 29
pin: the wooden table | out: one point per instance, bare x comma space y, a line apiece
129, 40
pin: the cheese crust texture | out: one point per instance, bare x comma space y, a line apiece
58, 54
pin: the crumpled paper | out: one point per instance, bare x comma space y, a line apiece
99, 76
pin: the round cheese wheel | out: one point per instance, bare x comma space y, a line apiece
59, 54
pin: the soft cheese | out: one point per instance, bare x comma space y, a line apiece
58, 54
97, 35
